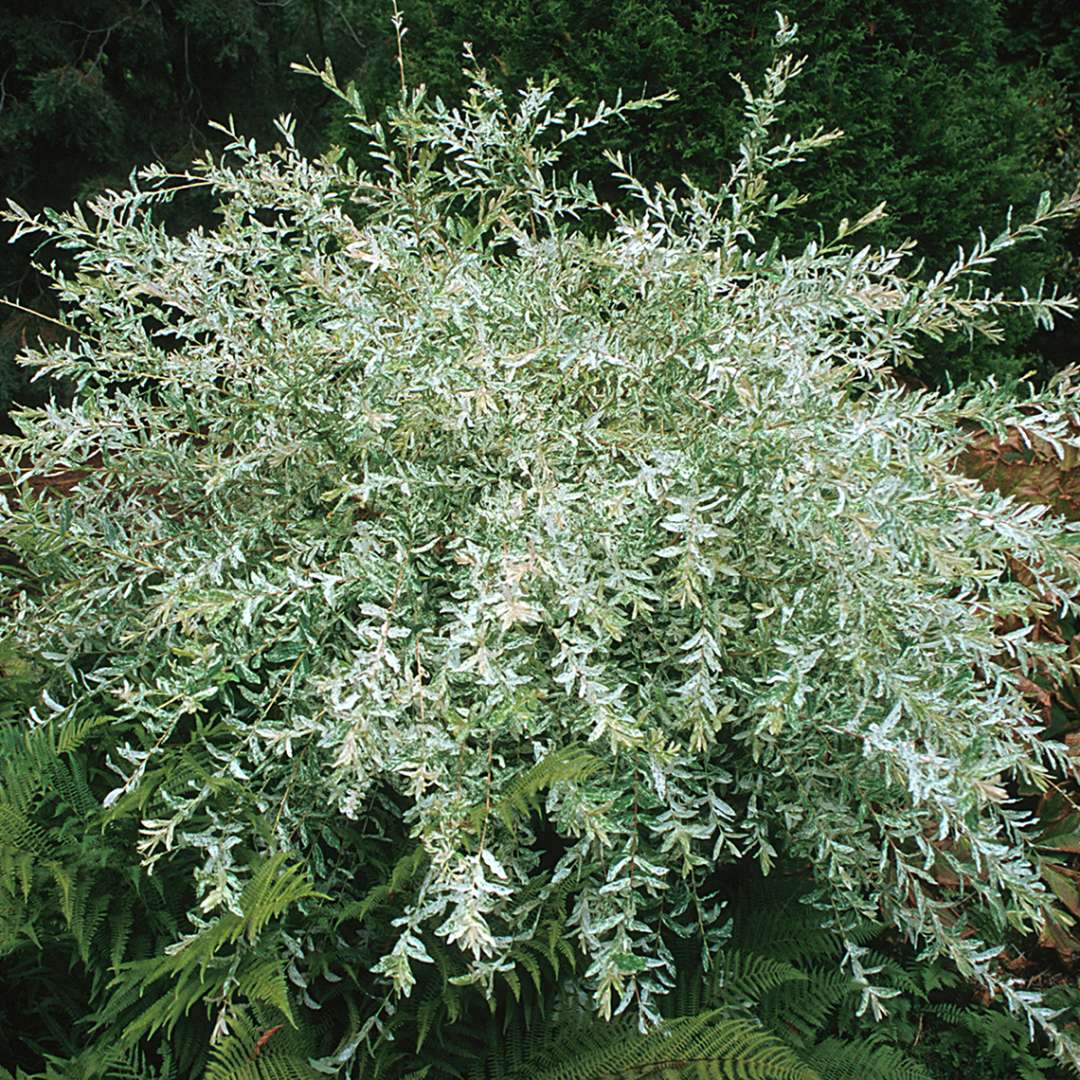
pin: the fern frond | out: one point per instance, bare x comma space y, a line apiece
272, 890
711, 1046
708, 1046
21, 835
121, 923
739, 977
136, 1064
264, 981
404, 871
261, 1046
837, 1059
88, 912
194, 971
774, 912
522, 797
801, 1012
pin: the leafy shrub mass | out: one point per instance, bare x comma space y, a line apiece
425, 600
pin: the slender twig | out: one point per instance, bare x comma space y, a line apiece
38, 314
398, 30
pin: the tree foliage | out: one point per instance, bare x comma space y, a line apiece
422, 551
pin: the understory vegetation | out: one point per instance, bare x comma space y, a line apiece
465, 622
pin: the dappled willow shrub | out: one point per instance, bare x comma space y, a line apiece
569, 567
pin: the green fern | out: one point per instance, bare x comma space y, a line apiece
85, 933
753, 1016
522, 797
201, 967
709, 1046
838, 1059
404, 871
262, 1045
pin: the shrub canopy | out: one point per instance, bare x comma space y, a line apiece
573, 568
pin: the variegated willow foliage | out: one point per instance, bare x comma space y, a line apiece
572, 566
